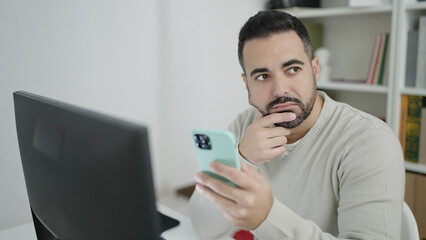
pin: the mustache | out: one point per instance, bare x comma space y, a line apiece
283, 99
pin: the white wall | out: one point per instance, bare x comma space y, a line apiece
203, 87
94, 53
170, 64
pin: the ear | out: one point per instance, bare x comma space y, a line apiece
243, 75
316, 67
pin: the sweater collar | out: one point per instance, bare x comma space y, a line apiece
320, 123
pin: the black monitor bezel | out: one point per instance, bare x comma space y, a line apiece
29, 106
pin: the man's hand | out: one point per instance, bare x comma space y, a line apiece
247, 205
261, 143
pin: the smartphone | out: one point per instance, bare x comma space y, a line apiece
215, 145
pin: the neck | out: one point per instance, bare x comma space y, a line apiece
301, 130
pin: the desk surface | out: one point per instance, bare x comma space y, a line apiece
182, 232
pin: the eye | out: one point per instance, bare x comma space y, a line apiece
262, 77
293, 70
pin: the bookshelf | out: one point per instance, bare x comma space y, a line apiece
306, 13
414, 167
415, 6
348, 33
413, 91
408, 16
353, 87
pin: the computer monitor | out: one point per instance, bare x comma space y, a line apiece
88, 176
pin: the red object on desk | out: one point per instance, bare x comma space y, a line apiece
243, 235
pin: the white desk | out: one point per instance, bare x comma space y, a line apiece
22, 232
182, 232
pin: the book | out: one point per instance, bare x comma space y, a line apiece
383, 60
403, 122
378, 61
413, 128
385, 77
315, 31
378, 64
421, 54
422, 140
353, 3
411, 62
374, 59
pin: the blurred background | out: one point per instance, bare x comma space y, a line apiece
168, 64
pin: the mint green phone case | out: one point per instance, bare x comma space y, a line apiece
220, 146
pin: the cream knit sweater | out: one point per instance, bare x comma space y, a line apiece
343, 180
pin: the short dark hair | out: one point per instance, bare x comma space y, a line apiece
266, 23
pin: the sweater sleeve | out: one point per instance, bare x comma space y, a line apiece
283, 223
371, 189
371, 186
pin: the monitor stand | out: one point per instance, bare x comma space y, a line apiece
42, 232
167, 222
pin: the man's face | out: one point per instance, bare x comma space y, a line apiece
279, 76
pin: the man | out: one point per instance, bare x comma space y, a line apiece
312, 168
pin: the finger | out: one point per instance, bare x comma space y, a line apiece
268, 133
232, 174
277, 132
270, 153
276, 118
276, 142
227, 207
235, 194
276, 151
214, 197
219, 186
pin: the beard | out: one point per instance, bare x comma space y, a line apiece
305, 108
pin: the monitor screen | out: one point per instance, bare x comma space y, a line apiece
88, 176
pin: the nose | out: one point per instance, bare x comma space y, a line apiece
281, 86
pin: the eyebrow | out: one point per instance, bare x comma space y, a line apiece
292, 61
258, 70
286, 64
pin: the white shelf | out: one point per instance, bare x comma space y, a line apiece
416, 6
349, 34
334, 12
415, 167
414, 91
354, 87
